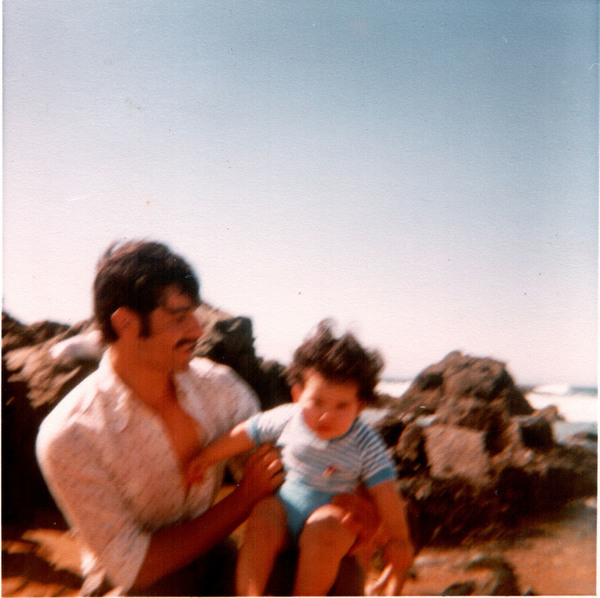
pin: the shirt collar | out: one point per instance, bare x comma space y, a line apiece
121, 396
116, 391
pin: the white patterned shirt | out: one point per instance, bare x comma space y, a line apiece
113, 471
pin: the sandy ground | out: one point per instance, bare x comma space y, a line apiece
551, 555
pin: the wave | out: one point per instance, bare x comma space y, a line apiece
574, 403
565, 390
553, 389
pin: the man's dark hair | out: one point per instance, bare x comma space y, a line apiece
340, 360
135, 274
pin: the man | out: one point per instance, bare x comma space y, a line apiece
113, 451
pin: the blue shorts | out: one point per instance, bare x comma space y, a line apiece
299, 501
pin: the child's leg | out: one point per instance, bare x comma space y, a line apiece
323, 543
266, 535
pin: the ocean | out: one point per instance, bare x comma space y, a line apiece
576, 404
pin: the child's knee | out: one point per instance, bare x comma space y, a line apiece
324, 529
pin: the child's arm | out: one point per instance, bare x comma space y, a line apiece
234, 442
399, 550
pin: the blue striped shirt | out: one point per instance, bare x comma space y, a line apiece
336, 465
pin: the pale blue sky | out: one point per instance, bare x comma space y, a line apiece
424, 171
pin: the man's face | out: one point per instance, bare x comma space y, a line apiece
329, 408
174, 331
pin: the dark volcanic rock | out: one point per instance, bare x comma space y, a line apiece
500, 580
472, 454
410, 454
454, 451
16, 335
229, 340
33, 381
457, 378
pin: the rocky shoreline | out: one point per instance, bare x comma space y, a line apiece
475, 461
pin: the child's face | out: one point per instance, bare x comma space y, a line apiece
329, 408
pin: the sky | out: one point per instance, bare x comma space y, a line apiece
425, 172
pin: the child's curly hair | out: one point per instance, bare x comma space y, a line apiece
340, 359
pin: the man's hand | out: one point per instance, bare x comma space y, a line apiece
263, 475
362, 519
399, 557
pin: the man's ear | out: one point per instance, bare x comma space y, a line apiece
124, 321
296, 392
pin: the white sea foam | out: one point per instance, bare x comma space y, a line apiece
575, 404
553, 389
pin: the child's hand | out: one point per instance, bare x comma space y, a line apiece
196, 470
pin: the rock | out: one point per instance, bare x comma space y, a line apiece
503, 581
536, 432
497, 578
477, 415
410, 452
550, 414
474, 457
458, 377
448, 511
460, 588
452, 451
229, 340
16, 335
586, 439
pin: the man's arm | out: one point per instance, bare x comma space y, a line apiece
232, 443
175, 547
84, 491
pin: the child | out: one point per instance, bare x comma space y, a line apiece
325, 450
